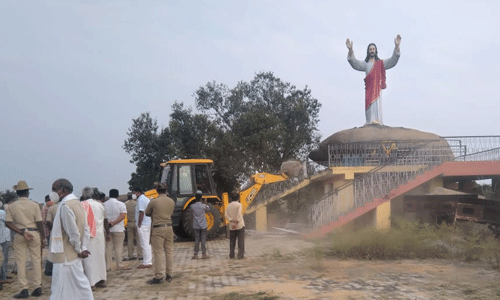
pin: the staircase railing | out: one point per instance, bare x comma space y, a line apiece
274, 189
475, 148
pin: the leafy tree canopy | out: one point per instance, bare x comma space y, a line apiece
270, 121
250, 128
148, 147
8, 196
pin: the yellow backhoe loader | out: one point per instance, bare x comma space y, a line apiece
185, 176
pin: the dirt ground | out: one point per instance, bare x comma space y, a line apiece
285, 266
300, 275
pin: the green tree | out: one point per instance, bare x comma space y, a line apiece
196, 136
250, 128
192, 135
268, 121
7, 196
148, 147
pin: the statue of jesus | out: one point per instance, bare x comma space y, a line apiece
374, 68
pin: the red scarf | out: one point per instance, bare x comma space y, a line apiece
90, 218
374, 83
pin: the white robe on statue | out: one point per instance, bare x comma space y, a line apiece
95, 264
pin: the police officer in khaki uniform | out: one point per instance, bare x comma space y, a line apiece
132, 228
51, 214
25, 219
160, 210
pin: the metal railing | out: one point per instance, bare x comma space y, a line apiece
475, 148
382, 153
270, 190
396, 163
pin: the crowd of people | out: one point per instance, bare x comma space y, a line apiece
84, 234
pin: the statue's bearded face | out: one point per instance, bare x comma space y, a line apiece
372, 51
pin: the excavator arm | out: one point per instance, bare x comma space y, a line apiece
258, 180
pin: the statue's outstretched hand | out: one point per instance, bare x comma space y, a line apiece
397, 40
348, 43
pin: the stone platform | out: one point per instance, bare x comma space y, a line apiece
370, 133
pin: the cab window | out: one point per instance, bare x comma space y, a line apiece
185, 180
166, 177
202, 179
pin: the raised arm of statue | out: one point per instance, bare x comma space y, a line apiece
392, 61
355, 64
348, 43
397, 42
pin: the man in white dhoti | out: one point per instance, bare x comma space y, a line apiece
375, 77
95, 264
68, 245
143, 227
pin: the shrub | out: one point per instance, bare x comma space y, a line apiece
405, 239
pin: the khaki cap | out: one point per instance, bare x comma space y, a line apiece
21, 186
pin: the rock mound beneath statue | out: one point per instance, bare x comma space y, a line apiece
372, 133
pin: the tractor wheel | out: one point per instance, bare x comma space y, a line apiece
213, 221
180, 232
187, 222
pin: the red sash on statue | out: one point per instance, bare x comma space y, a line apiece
374, 83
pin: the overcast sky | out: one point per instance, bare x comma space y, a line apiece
73, 74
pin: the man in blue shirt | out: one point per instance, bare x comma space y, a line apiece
199, 208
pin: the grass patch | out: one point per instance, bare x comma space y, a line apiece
469, 292
238, 296
467, 241
317, 254
276, 254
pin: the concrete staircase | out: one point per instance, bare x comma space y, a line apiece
359, 211
454, 168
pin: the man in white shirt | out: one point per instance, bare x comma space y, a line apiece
143, 227
115, 213
237, 228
